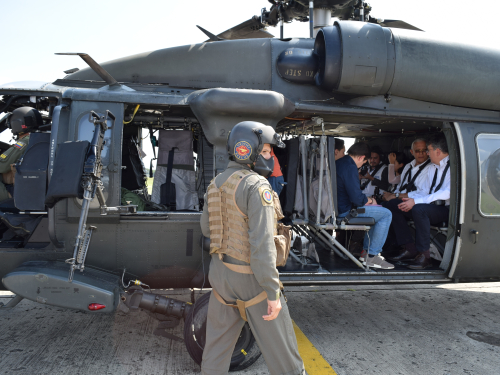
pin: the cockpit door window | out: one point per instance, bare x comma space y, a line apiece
488, 151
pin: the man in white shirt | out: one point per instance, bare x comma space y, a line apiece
425, 206
377, 176
414, 173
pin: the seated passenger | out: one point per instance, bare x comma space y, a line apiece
376, 176
397, 162
276, 179
349, 194
427, 205
414, 174
339, 148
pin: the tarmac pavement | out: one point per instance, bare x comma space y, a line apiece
370, 329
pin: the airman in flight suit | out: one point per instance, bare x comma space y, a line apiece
239, 217
21, 121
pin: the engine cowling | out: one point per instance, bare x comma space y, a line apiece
366, 59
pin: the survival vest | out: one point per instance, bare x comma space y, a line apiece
229, 226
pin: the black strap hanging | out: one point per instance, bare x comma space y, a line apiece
407, 177
442, 178
375, 171
169, 174
153, 144
410, 186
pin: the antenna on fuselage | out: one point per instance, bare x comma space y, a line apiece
213, 37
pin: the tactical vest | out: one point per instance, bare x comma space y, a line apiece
228, 225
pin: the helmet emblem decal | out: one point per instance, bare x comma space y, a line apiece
267, 196
242, 150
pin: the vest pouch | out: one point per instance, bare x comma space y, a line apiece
282, 241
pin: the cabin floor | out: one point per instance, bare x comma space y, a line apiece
330, 262
334, 269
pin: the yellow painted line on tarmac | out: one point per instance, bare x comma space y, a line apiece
314, 362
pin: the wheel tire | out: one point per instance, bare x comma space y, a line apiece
194, 345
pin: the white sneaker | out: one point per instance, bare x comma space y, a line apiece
379, 262
362, 257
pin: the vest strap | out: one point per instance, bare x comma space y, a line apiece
241, 305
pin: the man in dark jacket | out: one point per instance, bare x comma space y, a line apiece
349, 195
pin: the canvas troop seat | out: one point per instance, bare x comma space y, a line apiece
174, 184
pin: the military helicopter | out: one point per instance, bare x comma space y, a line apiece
86, 243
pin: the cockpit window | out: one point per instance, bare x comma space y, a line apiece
488, 148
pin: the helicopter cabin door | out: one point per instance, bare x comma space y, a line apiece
477, 254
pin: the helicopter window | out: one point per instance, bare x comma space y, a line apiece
489, 166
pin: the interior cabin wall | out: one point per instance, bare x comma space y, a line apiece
203, 153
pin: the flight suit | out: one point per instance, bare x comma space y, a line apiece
275, 338
11, 156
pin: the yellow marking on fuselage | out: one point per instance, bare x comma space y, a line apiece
314, 362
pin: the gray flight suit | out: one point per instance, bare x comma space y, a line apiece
276, 338
11, 156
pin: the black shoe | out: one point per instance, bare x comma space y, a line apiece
392, 251
420, 263
404, 255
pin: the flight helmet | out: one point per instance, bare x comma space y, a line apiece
246, 141
24, 120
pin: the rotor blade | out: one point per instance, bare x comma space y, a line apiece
249, 29
101, 72
213, 37
398, 24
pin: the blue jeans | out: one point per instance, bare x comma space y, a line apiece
378, 233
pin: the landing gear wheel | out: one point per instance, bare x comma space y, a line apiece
246, 352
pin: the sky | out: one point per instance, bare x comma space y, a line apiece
33, 30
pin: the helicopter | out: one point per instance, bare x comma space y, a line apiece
94, 238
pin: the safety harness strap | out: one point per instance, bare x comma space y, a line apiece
375, 171
241, 305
